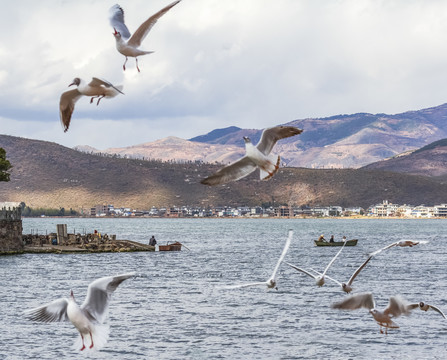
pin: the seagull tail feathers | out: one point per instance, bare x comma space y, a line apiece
100, 335
272, 169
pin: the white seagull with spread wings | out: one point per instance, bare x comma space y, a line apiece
271, 281
425, 307
347, 287
125, 43
319, 278
396, 307
90, 316
256, 157
96, 88
402, 243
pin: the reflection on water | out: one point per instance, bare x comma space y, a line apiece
174, 311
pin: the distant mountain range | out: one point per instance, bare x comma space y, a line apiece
342, 141
49, 175
431, 160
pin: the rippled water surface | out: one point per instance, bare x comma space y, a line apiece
174, 310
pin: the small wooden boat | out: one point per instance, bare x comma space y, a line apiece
352, 242
170, 247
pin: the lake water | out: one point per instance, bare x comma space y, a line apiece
174, 309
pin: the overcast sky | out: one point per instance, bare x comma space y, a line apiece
217, 63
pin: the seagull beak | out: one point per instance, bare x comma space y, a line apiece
116, 32
71, 84
71, 293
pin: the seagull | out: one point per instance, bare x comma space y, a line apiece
271, 282
87, 318
125, 43
255, 157
319, 279
425, 307
96, 88
402, 243
347, 287
396, 307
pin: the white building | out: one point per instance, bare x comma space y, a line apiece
385, 209
440, 210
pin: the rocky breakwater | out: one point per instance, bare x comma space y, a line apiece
77, 243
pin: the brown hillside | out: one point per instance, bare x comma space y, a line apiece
46, 174
431, 160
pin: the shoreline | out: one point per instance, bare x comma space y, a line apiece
242, 217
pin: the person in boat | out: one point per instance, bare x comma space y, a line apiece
321, 238
344, 239
332, 239
152, 241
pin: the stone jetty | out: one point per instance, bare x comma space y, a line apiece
12, 241
77, 243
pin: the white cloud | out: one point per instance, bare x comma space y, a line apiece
249, 63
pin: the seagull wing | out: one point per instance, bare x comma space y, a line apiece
116, 18
357, 301
235, 171
51, 312
302, 270
384, 248
397, 306
335, 281
358, 271
283, 254
245, 285
412, 306
271, 135
98, 82
333, 259
99, 293
437, 310
66, 106
145, 27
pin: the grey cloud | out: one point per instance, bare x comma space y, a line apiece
249, 63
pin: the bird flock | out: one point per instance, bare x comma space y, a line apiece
89, 318
126, 44
397, 306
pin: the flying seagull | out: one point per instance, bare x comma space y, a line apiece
396, 307
126, 43
425, 307
96, 88
347, 287
402, 243
319, 278
255, 157
90, 316
271, 282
